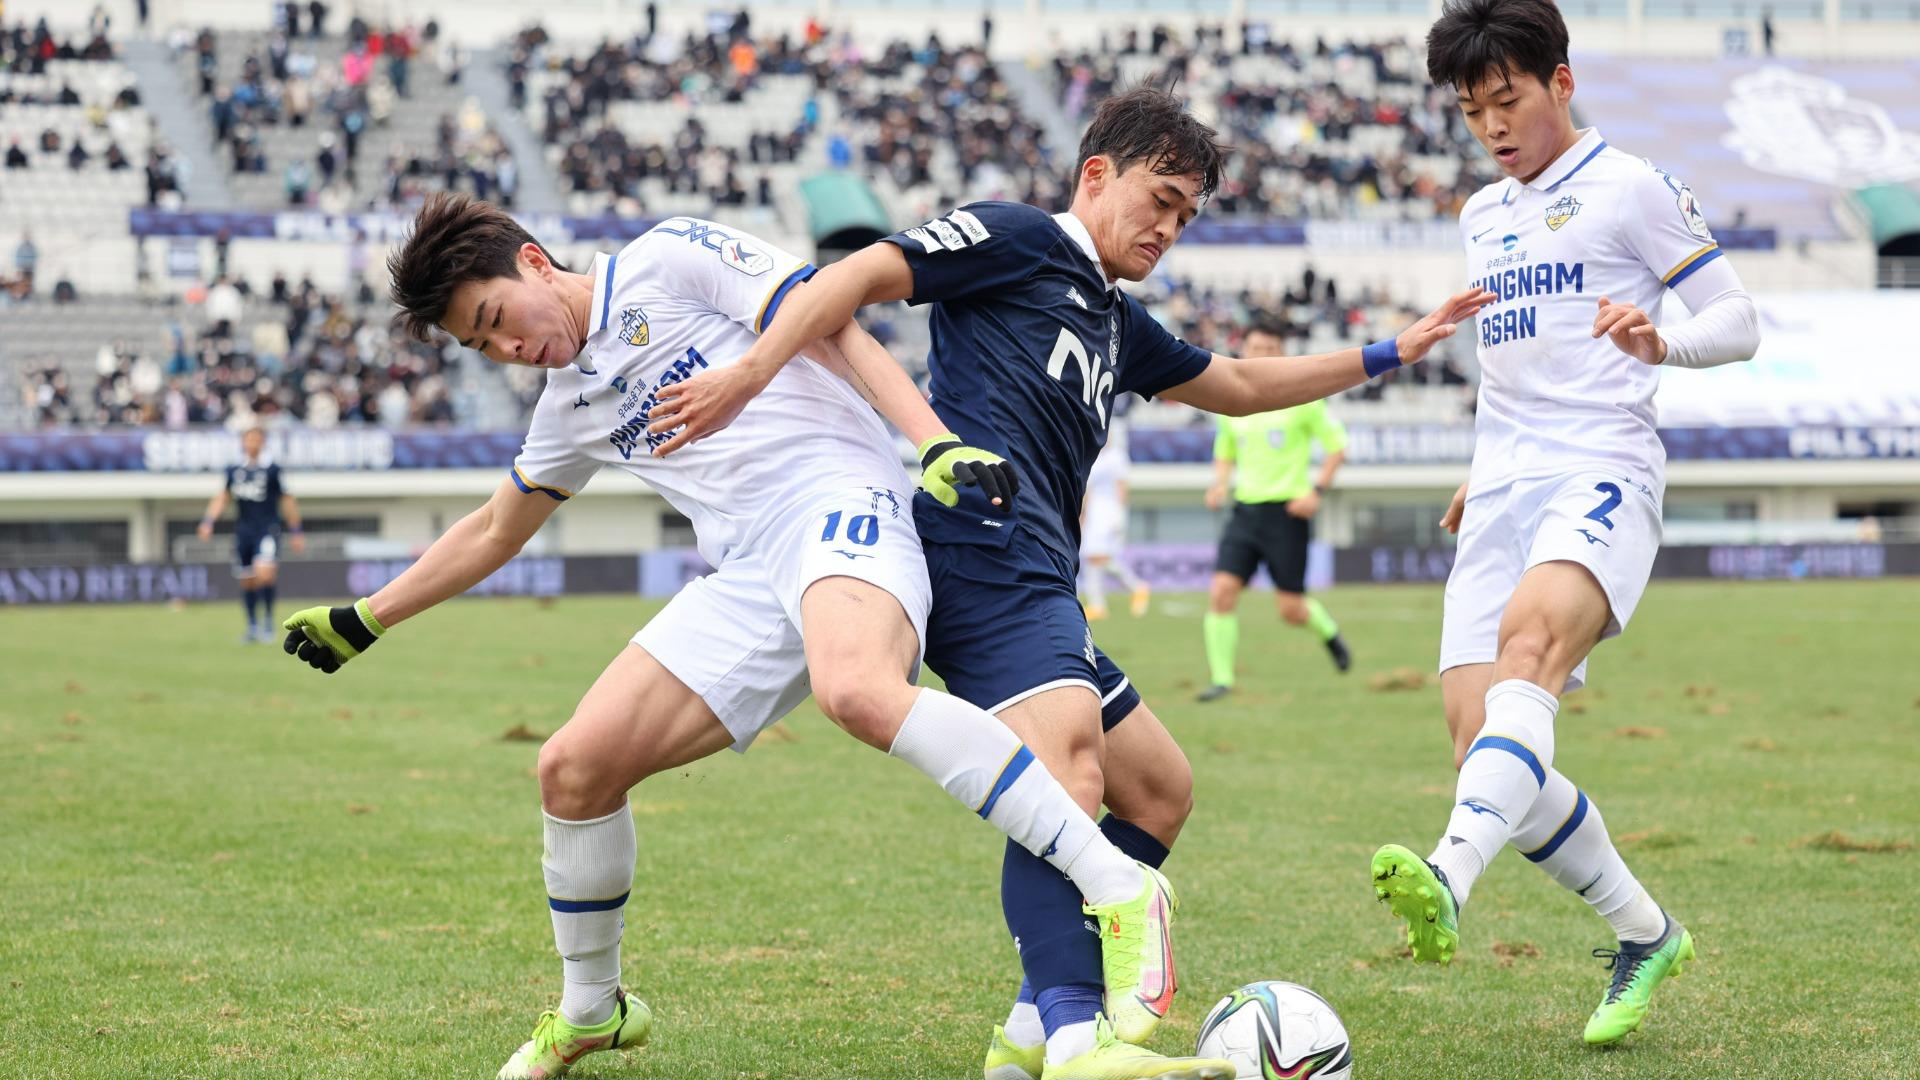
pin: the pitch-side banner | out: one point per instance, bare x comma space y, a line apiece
375, 449
660, 574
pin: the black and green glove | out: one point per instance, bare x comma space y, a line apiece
946, 461
327, 637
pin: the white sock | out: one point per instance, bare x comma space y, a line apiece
977, 760
1023, 1025
1118, 568
1095, 581
1565, 836
589, 870
1070, 1042
1501, 779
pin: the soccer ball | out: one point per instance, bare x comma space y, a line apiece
1276, 1030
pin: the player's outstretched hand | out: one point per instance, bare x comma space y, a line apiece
945, 461
327, 637
702, 405
1440, 323
1631, 331
1456, 509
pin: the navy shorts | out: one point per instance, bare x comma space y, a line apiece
252, 544
1007, 624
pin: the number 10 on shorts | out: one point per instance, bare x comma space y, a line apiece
862, 529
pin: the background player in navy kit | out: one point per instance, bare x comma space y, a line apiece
1031, 341
264, 510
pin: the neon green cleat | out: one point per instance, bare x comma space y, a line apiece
556, 1044
1418, 893
1636, 971
1005, 1061
1136, 952
1111, 1059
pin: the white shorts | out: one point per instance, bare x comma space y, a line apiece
1105, 530
1606, 522
734, 636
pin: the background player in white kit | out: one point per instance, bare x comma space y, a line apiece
1560, 517
1103, 523
803, 509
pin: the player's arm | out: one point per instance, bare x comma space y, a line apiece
945, 460
811, 311
1664, 226
463, 556
215, 507
1238, 386
296, 532
1222, 469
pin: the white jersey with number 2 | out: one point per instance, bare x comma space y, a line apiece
1554, 399
689, 296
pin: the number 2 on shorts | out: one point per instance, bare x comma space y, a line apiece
1599, 513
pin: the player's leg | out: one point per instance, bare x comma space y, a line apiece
266, 575
1233, 567
1292, 539
862, 649
1093, 585
638, 719
1139, 594
245, 547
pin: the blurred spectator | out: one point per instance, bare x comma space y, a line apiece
25, 257
16, 157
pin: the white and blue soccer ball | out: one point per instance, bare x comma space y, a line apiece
1278, 1031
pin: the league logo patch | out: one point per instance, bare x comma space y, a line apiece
745, 258
1562, 212
633, 325
619, 385
1510, 241
1690, 213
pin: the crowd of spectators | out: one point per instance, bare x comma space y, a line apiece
28, 51
302, 357
1339, 130
284, 85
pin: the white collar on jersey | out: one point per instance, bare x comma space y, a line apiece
602, 309
1077, 230
1572, 161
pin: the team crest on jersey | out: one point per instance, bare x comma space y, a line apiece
633, 325
1562, 212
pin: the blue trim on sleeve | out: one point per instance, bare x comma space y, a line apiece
1578, 814
1696, 264
606, 301
1519, 750
780, 293
527, 489
1016, 765
577, 906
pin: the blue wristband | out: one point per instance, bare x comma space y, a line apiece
1380, 357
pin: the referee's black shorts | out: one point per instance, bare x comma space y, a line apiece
1265, 533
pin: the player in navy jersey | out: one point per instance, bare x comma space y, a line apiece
1032, 338
264, 511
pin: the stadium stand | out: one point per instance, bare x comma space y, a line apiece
370, 119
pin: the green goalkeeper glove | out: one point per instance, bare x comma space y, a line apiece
327, 637
946, 461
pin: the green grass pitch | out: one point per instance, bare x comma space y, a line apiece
217, 863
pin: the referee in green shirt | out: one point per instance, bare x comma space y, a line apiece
1273, 506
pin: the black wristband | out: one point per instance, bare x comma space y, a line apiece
345, 621
933, 452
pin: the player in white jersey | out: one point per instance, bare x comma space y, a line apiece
1560, 516
1103, 524
803, 509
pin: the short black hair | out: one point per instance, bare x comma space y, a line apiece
1267, 323
456, 238
1474, 40
1148, 123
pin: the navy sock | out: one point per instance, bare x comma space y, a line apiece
1058, 950
1133, 841
266, 619
250, 597
1026, 995
1064, 1005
